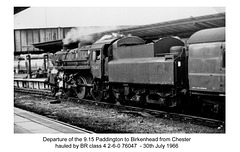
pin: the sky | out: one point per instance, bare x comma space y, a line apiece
41, 17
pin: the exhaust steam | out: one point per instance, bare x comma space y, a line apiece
86, 34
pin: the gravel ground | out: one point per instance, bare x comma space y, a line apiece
105, 120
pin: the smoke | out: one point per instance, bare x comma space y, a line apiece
110, 36
86, 34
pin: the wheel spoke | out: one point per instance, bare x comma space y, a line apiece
80, 90
97, 90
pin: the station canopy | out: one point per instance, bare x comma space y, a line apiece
182, 28
50, 46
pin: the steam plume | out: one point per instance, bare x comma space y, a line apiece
86, 34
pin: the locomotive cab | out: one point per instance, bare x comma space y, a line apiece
99, 56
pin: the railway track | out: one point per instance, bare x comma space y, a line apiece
136, 110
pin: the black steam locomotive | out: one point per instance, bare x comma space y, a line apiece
166, 73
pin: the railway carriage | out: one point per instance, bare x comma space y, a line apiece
206, 68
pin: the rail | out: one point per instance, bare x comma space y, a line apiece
213, 123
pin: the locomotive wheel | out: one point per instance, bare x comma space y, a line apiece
179, 106
97, 90
142, 102
81, 90
117, 96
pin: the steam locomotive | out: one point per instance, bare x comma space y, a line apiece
166, 73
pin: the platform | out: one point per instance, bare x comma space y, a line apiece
36, 83
28, 122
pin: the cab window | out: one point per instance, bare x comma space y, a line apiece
96, 55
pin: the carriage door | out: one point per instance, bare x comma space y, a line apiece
95, 62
